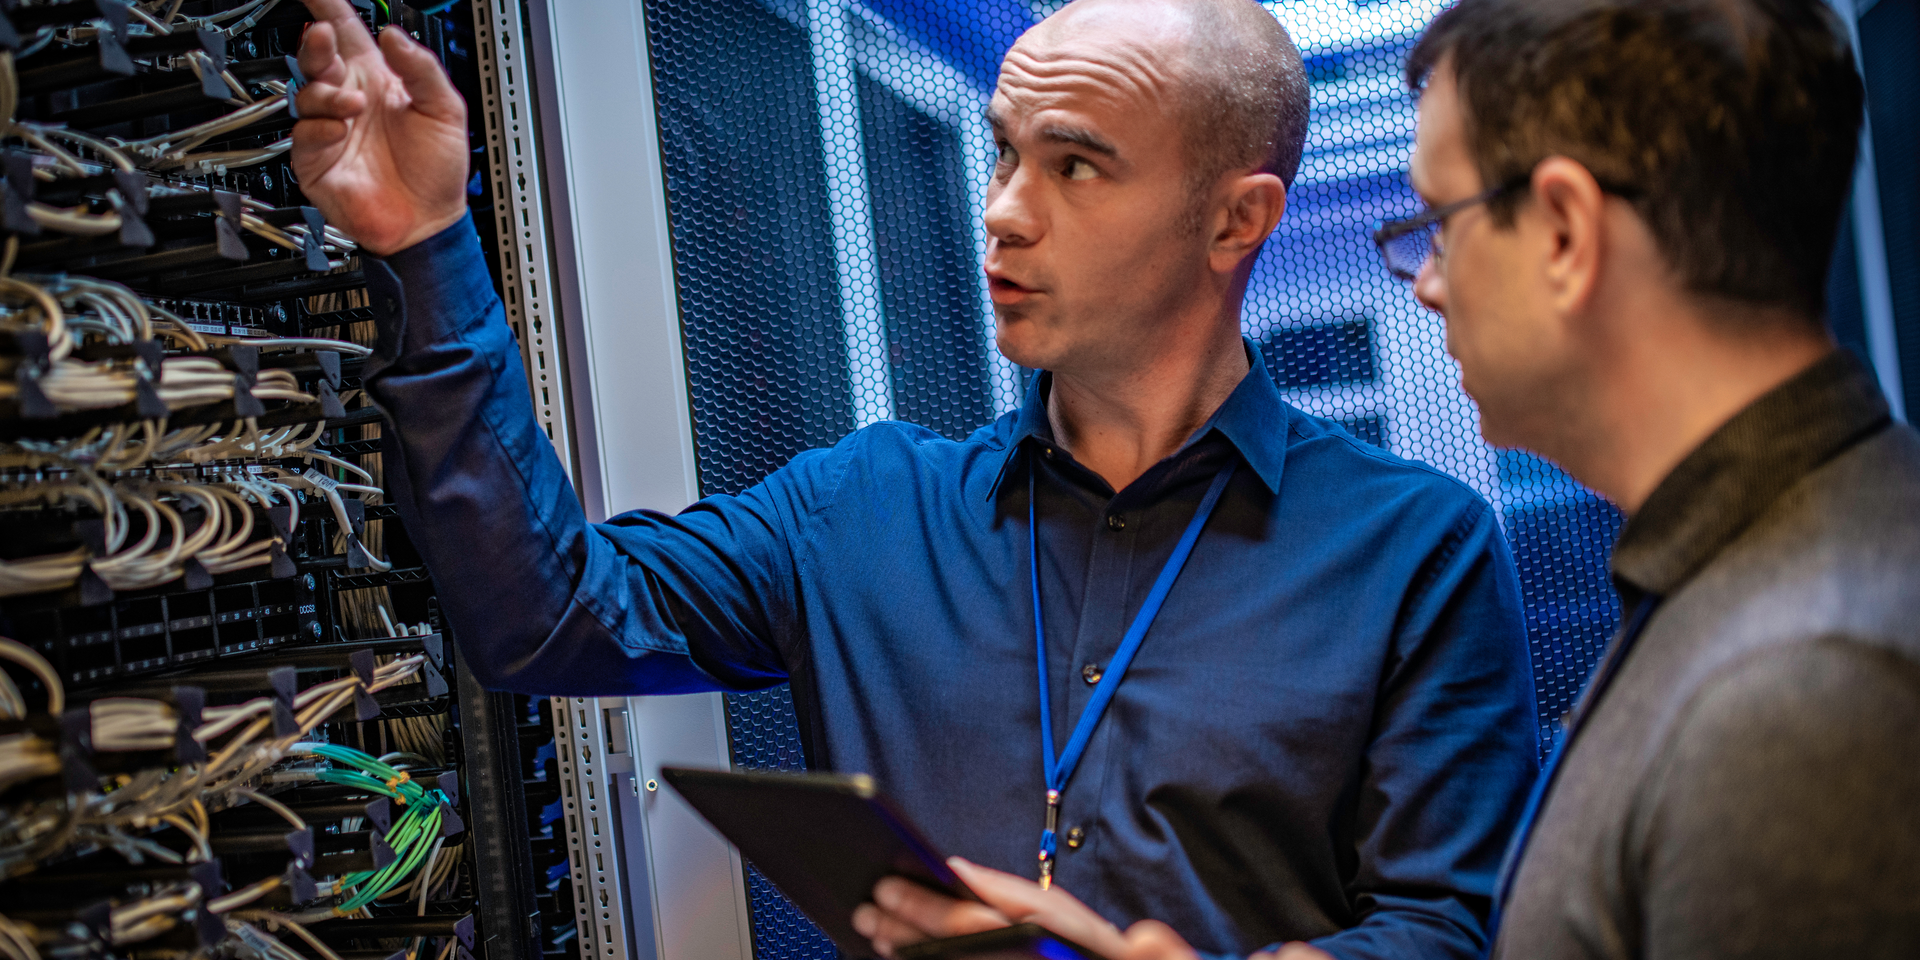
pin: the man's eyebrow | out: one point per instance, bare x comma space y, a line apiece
1078, 136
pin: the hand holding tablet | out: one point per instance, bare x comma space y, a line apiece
826, 839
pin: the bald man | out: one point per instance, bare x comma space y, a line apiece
1157, 637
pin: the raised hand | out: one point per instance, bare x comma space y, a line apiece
381, 146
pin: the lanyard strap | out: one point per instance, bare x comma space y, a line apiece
1060, 769
1510, 865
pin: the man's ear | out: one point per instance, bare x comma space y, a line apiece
1570, 209
1253, 204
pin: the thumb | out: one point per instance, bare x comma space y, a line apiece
1153, 940
425, 81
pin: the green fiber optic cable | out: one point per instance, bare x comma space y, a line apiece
410, 837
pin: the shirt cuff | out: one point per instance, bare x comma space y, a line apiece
441, 285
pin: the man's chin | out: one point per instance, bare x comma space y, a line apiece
1018, 339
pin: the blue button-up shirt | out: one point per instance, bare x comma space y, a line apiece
1327, 733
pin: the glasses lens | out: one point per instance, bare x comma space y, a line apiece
1408, 252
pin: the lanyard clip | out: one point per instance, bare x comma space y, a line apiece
1048, 839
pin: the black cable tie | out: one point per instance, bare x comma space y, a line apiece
152, 355
284, 681
97, 920
450, 822
213, 43
380, 815
329, 361
113, 40
114, 12
34, 349
132, 185
208, 927
19, 190
245, 404
134, 231
33, 401
94, 590
436, 665
463, 935
207, 873
147, 401
216, 87
330, 405
195, 575
92, 531
300, 844
365, 706
383, 855
281, 516
300, 885
245, 360
188, 702
231, 205
356, 515
226, 233
76, 751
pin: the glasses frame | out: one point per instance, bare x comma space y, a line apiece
1387, 231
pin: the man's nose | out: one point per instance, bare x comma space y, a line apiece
1012, 216
1430, 288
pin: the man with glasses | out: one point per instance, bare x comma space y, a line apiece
1638, 297
1326, 726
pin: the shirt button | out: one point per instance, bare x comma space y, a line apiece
1091, 673
1116, 522
1076, 837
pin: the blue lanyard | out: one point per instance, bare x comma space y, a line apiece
1060, 769
1510, 865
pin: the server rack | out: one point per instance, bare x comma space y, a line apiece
232, 722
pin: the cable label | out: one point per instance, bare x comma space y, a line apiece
321, 480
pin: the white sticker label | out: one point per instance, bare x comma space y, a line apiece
217, 329
321, 480
254, 940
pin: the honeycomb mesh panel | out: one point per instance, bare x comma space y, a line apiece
826, 167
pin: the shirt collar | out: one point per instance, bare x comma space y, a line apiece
1726, 482
1253, 419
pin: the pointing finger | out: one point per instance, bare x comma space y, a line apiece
340, 15
425, 80
320, 55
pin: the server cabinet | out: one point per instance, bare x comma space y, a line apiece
231, 717
747, 227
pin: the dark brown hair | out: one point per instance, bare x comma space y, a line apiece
1731, 125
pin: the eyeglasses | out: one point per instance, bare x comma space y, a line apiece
1406, 243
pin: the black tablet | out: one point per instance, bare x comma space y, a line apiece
823, 839
1025, 941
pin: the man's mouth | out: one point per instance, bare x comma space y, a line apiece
1005, 290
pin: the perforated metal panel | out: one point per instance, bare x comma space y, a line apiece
826, 167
